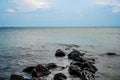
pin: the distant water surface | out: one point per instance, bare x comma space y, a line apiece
21, 46
108, 37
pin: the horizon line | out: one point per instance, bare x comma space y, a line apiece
60, 27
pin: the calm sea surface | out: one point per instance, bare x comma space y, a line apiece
21, 46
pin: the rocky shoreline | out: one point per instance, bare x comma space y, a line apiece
81, 66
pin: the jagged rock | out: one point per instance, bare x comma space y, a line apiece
76, 64
60, 76
76, 56
59, 53
40, 71
16, 77
86, 74
29, 69
74, 70
50, 65
90, 67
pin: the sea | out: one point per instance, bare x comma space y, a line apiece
21, 47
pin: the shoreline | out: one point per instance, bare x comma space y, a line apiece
47, 51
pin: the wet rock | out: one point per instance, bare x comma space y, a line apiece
83, 71
90, 67
91, 60
76, 56
29, 69
111, 54
40, 71
51, 65
74, 70
59, 53
1, 78
16, 77
87, 75
60, 76
76, 64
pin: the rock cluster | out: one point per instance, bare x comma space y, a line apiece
80, 67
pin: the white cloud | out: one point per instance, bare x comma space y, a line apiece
10, 10
30, 5
116, 8
115, 4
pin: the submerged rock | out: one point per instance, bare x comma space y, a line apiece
59, 53
16, 77
29, 69
60, 76
40, 71
111, 54
51, 65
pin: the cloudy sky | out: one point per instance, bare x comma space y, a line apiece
59, 13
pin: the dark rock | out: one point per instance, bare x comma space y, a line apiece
40, 71
27, 79
51, 65
76, 56
74, 70
76, 64
60, 76
87, 75
16, 77
1, 78
111, 54
89, 67
28, 69
83, 71
59, 53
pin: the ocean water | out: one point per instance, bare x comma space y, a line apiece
21, 47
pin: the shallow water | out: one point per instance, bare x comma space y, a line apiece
22, 47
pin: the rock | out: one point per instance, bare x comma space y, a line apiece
59, 76
90, 67
83, 71
86, 75
28, 69
59, 53
40, 71
16, 77
1, 78
76, 64
91, 60
74, 70
111, 54
76, 56
51, 65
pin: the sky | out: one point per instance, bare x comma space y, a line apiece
59, 13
